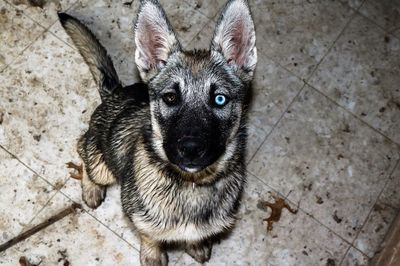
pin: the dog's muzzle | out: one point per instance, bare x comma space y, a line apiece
191, 150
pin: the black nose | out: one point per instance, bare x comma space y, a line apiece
191, 148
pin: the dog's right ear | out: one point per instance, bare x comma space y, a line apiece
155, 40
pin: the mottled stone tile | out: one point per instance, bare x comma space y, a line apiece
355, 4
185, 20
16, 32
202, 40
23, 195
109, 212
385, 13
381, 217
332, 163
397, 33
362, 73
296, 239
209, 8
273, 90
77, 239
355, 258
47, 98
45, 14
297, 35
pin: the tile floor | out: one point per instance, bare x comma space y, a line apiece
324, 130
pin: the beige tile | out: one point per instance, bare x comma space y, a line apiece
46, 14
332, 163
47, 100
16, 33
109, 212
202, 40
185, 20
23, 195
355, 258
381, 217
362, 74
209, 8
386, 13
273, 90
296, 239
78, 239
299, 33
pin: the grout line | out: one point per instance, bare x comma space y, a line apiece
45, 30
305, 80
388, 31
101, 222
334, 42
277, 122
44, 206
354, 115
198, 33
27, 166
298, 206
369, 213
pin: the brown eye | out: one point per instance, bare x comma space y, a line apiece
170, 98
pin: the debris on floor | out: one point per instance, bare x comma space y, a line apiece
39, 227
276, 210
77, 168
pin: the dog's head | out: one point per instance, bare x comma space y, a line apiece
197, 99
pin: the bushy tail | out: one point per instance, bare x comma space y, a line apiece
94, 54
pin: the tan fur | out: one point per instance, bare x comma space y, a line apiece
92, 194
99, 171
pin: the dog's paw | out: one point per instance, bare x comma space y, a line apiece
200, 252
93, 195
162, 260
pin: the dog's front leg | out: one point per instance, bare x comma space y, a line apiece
151, 253
200, 251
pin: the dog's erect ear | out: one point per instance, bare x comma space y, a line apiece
155, 40
235, 37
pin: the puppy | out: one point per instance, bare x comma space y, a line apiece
176, 142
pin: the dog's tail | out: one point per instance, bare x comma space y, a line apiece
94, 54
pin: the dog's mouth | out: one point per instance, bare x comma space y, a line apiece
196, 174
191, 168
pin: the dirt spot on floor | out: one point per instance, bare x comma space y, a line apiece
337, 218
276, 210
330, 262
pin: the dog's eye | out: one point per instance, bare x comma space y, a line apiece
170, 98
220, 100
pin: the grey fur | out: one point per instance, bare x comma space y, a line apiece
132, 137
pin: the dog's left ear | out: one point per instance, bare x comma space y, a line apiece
235, 37
155, 40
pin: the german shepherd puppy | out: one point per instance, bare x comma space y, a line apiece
177, 141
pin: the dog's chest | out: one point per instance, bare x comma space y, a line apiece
182, 217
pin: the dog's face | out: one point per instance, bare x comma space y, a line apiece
197, 99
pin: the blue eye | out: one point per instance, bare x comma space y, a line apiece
220, 100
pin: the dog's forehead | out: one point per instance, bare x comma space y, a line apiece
201, 67
197, 61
